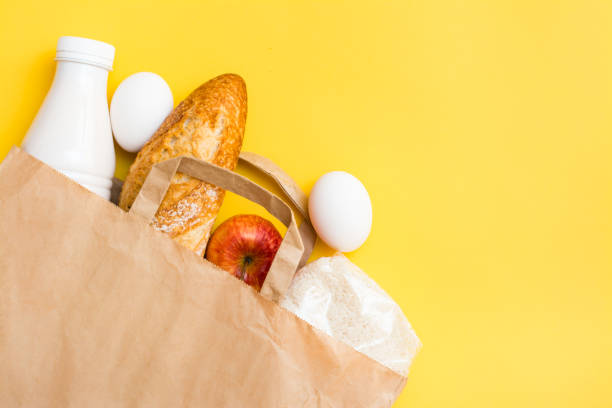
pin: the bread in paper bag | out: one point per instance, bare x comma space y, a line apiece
208, 125
335, 296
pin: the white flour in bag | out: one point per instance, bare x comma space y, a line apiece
335, 296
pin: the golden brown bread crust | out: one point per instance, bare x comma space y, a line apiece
208, 125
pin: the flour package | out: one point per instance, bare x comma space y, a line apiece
335, 296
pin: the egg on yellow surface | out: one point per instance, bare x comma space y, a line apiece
139, 106
340, 210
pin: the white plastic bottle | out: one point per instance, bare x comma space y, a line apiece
72, 130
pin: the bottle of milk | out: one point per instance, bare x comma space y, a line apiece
72, 130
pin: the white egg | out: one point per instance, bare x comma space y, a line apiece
340, 210
140, 104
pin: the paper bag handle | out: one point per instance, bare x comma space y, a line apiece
290, 252
292, 191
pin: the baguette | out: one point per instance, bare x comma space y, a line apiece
208, 125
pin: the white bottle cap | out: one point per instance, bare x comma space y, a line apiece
84, 50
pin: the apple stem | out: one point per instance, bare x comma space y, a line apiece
245, 264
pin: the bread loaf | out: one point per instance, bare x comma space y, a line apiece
208, 125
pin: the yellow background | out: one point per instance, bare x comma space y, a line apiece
482, 130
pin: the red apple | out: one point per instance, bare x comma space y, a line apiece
244, 246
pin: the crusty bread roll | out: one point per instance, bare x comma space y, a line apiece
208, 125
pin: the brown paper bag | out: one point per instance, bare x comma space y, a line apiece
97, 309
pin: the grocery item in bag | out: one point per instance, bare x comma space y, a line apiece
244, 246
208, 125
337, 297
72, 130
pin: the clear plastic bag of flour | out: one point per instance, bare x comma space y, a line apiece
335, 296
